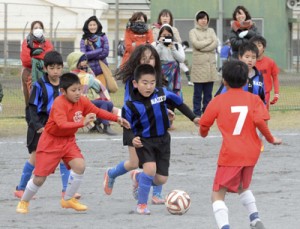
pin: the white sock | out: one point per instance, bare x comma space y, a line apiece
248, 200
73, 184
221, 213
30, 190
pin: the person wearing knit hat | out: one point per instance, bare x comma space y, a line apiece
204, 42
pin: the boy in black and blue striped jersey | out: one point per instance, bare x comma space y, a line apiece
147, 114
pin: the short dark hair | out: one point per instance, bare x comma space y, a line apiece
142, 70
53, 57
238, 9
201, 15
245, 47
67, 80
163, 28
259, 39
235, 73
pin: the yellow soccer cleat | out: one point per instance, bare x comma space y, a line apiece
73, 203
22, 207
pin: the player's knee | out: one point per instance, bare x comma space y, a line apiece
39, 181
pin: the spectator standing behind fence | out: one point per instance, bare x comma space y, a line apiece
1, 96
34, 48
94, 44
136, 33
242, 29
204, 69
165, 17
120, 51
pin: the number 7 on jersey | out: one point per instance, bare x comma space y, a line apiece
243, 110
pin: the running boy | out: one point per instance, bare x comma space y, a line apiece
70, 111
238, 114
42, 95
147, 112
268, 69
248, 53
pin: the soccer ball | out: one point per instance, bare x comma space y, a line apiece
178, 202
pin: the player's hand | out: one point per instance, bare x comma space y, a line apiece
123, 122
89, 118
243, 34
40, 130
137, 143
196, 121
277, 141
171, 115
275, 99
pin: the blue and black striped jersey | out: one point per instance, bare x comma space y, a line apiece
148, 117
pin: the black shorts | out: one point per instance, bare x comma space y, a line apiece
127, 141
32, 139
157, 150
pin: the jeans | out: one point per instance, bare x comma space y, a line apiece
105, 105
206, 90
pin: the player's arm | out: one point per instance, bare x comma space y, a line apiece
274, 75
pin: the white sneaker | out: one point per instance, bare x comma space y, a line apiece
190, 83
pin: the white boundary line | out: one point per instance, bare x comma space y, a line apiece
120, 139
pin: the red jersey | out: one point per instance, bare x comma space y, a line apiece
66, 118
238, 114
269, 70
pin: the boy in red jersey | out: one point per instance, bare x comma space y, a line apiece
70, 111
238, 114
268, 69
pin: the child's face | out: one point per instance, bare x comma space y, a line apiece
54, 72
148, 58
145, 85
83, 65
165, 19
249, 58
166, 33
260, 47
73, 93
92, 26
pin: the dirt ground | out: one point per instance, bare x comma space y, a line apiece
275, 185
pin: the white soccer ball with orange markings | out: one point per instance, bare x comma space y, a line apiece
178, 202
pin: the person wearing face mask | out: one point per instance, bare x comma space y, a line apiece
242, 29
136, 33
34, 48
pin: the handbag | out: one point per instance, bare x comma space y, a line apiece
110, 82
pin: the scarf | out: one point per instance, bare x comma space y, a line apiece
30, 39
245, 25
138, 27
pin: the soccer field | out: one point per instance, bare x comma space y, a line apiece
275, 185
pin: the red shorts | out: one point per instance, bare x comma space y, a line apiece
51, 150
233, 178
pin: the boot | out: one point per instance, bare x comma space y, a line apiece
107, 130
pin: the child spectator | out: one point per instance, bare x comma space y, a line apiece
77, 62
70, 111
147, 113
238, 114
136, 33
143, 54
248, 54
225, 52
268, 69
42, 95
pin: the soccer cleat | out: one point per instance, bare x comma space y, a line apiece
135, 184
22, 207
76, 195
73, 203
257, 225
142, 209
158, 199
108, 183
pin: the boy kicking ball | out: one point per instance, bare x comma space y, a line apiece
238, 114
70, 111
